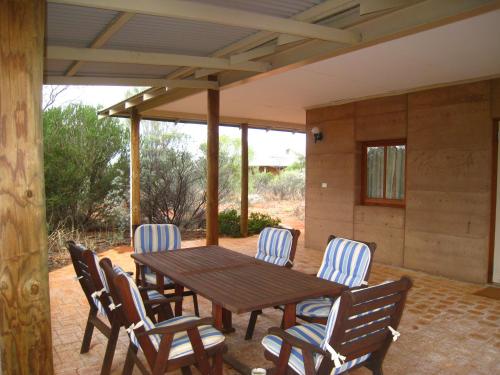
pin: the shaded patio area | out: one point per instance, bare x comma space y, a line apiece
445, 328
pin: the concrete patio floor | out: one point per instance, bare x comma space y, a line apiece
445, 328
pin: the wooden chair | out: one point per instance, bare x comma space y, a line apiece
96, 289
353, 273
175, 343
275, 246
152, 238
361, 327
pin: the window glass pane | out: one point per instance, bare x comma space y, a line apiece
375, 172
395, 179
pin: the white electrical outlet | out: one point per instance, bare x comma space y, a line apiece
324, 185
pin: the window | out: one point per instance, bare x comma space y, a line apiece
383, 173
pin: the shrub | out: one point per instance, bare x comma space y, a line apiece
258, 221
289, 184
229, 222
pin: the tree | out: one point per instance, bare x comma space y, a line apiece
172, 182
86, 166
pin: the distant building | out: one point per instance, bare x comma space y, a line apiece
272, 164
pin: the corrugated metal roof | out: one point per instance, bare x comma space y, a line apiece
74, 26
161, 34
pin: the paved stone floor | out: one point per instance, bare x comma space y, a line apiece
445, 329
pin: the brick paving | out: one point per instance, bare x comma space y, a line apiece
445, 329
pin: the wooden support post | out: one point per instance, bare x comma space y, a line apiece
212, 166
135, 174
25, 327
244, 181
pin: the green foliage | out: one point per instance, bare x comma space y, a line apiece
229, 222
86, 167
258, 221
289, 184
172, 178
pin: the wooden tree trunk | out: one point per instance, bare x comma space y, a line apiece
213, 167
135, 174
25, 329
244, 181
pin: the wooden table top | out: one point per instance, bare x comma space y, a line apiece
237, 282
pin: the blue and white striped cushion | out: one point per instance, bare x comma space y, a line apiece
274, 246
345, 262
313, 333
151, 238
315, 307
151, 278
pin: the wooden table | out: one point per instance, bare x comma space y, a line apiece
236, 283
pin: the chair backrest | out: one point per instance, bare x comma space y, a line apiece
110, 272
346, 261
358, 324
83, 274
277, 246
134, 312
151, 238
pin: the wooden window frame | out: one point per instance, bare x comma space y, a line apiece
364, 175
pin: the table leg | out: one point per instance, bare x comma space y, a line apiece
160, 283
289, 315
223, 319
179, 290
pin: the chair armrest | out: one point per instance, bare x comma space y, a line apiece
294, 341
162, 301
181, 327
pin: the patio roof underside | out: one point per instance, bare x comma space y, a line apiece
268, 78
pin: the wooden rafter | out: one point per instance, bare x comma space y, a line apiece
195, 11
128, 81
103, 37
149, 58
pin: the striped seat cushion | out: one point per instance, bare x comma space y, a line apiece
181, 345
151, 238
274, 246
151, 278
315, 307
345, 262
314, 334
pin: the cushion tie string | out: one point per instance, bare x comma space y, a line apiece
134, 326
98, 293
112, 306
364, 282
77, 278
337, 358
395, 334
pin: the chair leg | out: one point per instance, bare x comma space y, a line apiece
89, 330
186, 370
110, 349
217, 365
128, 367
251, 324
195, 304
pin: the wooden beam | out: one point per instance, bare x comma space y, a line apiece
253, 54
25, 322
135, 174
212, 214
244, 181
200, 73
150, 58
129, 81
103, 37
287, 39
194, 11
254, 123
372, 6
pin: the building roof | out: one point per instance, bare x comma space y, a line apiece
270, 59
